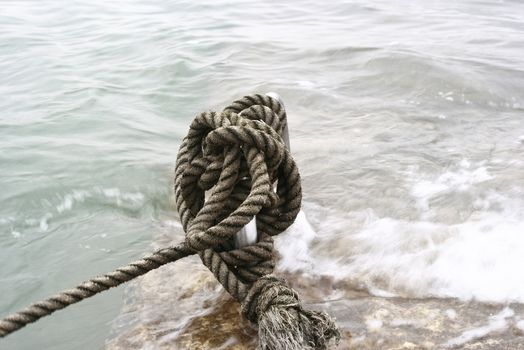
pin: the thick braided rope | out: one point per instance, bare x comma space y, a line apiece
283, 322
91, 287
239, 155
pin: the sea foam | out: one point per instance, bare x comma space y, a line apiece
478, 257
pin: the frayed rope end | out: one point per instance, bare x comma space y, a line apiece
296, 329
283, 324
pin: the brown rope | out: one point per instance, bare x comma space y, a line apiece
239, 158
91, 287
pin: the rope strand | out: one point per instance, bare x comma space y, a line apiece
91, 287
239, 158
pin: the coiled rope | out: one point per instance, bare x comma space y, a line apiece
239, 158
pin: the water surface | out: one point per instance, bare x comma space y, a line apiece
406, 122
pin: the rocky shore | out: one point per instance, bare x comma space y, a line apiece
181, 306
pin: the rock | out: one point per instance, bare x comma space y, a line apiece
182, 306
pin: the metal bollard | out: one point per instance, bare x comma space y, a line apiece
248, 234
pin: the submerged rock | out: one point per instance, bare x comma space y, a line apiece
192, 312
189, 311
396, 323
182, 306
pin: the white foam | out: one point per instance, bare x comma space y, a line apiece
477, 258
520, 325
128, 200
295, 245
70, 199
374, 324
44, 221
451, 314
461, 179
470, 260
66, 204
122, 199
497, 323
402, 322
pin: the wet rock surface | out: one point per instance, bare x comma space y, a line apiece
182, 306
192, 312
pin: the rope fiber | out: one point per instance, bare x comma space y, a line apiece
232, 166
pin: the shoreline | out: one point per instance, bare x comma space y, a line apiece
193, 311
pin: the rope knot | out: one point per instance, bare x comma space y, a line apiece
232, 167
283, 324
239, 159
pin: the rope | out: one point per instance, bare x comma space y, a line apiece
238, 157
91, 287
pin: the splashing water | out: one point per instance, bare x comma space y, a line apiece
405, 120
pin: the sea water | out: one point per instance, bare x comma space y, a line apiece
406, 121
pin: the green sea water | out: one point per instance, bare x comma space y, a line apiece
404, 111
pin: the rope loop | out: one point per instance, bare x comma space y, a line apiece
238, 160
238, 157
